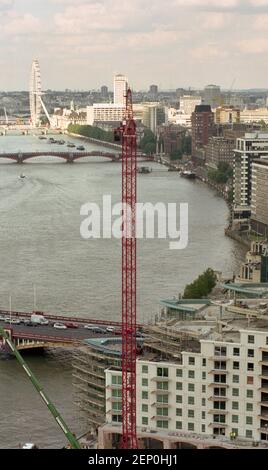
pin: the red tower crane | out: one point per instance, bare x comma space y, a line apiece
129, 198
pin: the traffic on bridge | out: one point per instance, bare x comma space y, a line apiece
36, 330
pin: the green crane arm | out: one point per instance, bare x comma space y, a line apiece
53, 410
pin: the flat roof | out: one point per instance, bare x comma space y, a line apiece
185, 305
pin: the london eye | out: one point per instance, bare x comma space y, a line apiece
36, 102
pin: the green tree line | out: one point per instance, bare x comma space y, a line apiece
222, 175
91, 131
202, 286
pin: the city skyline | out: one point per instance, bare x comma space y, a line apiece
81, 44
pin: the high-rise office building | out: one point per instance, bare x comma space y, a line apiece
252, 147
212, 96
203, 127
259, 199
104, 91
120, 89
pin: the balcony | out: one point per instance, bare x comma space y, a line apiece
161, 405
160, 379
164, 418
218, 412
217, 398
264, 403
218, 384
218, 371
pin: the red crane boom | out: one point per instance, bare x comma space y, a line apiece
129, 198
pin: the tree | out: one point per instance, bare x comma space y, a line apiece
202, 286
148, 142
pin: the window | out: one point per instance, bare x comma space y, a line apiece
250, 366
191, 387
162, 399
219, 392
236, 352
117, 418
220, 351
144, 408
145, 420
162, 424
219, 419
251, 339
117, 406
162, 372
235, 431
162, 412
204, 362
203, 402
116, 393
203, 415
249, 420
235, 418
144, 395
179, 372
235, 379
236, 365
190, 400
190, 426
178, 425
235, 405
162, 385
250, 380
266, 339
145, 369
191, 374
219, 405
179, 412
235, 392
250, 352
249, 393
190, 413
220, 365
191, 361
179, 386
219, 378
204, 375
249, 433
204, 389
144, 382
178, 398
203, 428
249, 406
116, 380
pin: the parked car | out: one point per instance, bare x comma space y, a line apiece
60, 326
2, 318
15, 321
70, 324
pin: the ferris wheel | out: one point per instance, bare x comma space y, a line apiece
35, 94
36, 102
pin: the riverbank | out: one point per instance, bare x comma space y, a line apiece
91, 140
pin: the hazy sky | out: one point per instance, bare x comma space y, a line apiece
173, 43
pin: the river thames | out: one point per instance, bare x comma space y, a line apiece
41, 245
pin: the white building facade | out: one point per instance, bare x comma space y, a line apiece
188, 103
120, 90
104, 112
221, 390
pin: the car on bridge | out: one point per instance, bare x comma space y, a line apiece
60, 326
70, 324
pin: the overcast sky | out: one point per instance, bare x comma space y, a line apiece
174, 43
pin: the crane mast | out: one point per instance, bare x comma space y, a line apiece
129, 199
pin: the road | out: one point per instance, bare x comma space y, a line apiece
79, 333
